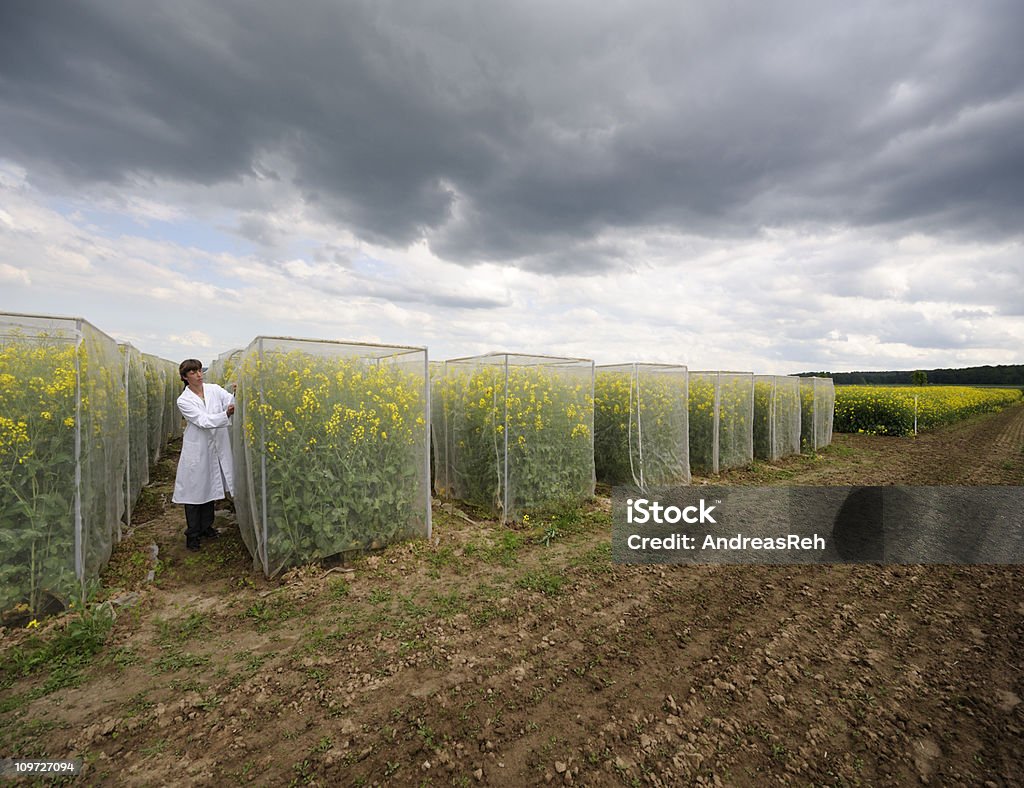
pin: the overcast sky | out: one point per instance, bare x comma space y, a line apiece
774, 187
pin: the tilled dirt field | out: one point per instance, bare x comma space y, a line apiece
519, 657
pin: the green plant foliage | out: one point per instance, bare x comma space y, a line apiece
702, 423
64, 654
520, 436
542, 581
817, 407
173, 422
763, 391
156, 402
776, 416
334, 449
721, 420
63, 448
138, 426
640, 425
890, 410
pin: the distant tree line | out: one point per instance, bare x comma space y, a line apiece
1001, 375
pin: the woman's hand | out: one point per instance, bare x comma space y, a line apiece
230, 409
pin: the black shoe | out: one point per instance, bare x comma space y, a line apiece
210, 533
192, 545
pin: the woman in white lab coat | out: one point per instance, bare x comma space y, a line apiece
204, 468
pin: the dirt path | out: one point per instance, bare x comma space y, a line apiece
499, 657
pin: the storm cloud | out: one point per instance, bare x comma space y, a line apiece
535, 134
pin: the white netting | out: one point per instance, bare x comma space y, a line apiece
721, 420
174, 424
818, 403
224, 369
331, 448
519, 431
63, 450
137, 468
776, 416
156, 400
641, 424
439, 433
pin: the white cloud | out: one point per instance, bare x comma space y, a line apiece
857, 302
11, 275
195, 338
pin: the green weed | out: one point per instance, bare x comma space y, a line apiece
183, 629
63, 656
179, 661
124, 656
505, 550
338, 589
542, 581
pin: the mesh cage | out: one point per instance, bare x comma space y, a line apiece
331, 448
156, 400
520, 431
63, 453
641, 424
224, 369
776, 416
439, 432
174, 424
818, 405
214, 372
721, 420
736, 419
137, 467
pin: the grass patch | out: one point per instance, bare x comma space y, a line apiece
63, 656
25, 731
505, 549
124, 656
139, 703
266, 612
596, 560
442, 557
149, 506
380, 596
338, 588
179, 660
127, 567
542, 581
447, 605
559, 519
182, 630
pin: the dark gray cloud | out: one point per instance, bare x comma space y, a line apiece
523, 131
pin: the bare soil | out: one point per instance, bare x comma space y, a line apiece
497, 656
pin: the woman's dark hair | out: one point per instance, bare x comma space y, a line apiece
189, 365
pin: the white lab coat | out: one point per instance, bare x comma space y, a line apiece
204, 468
